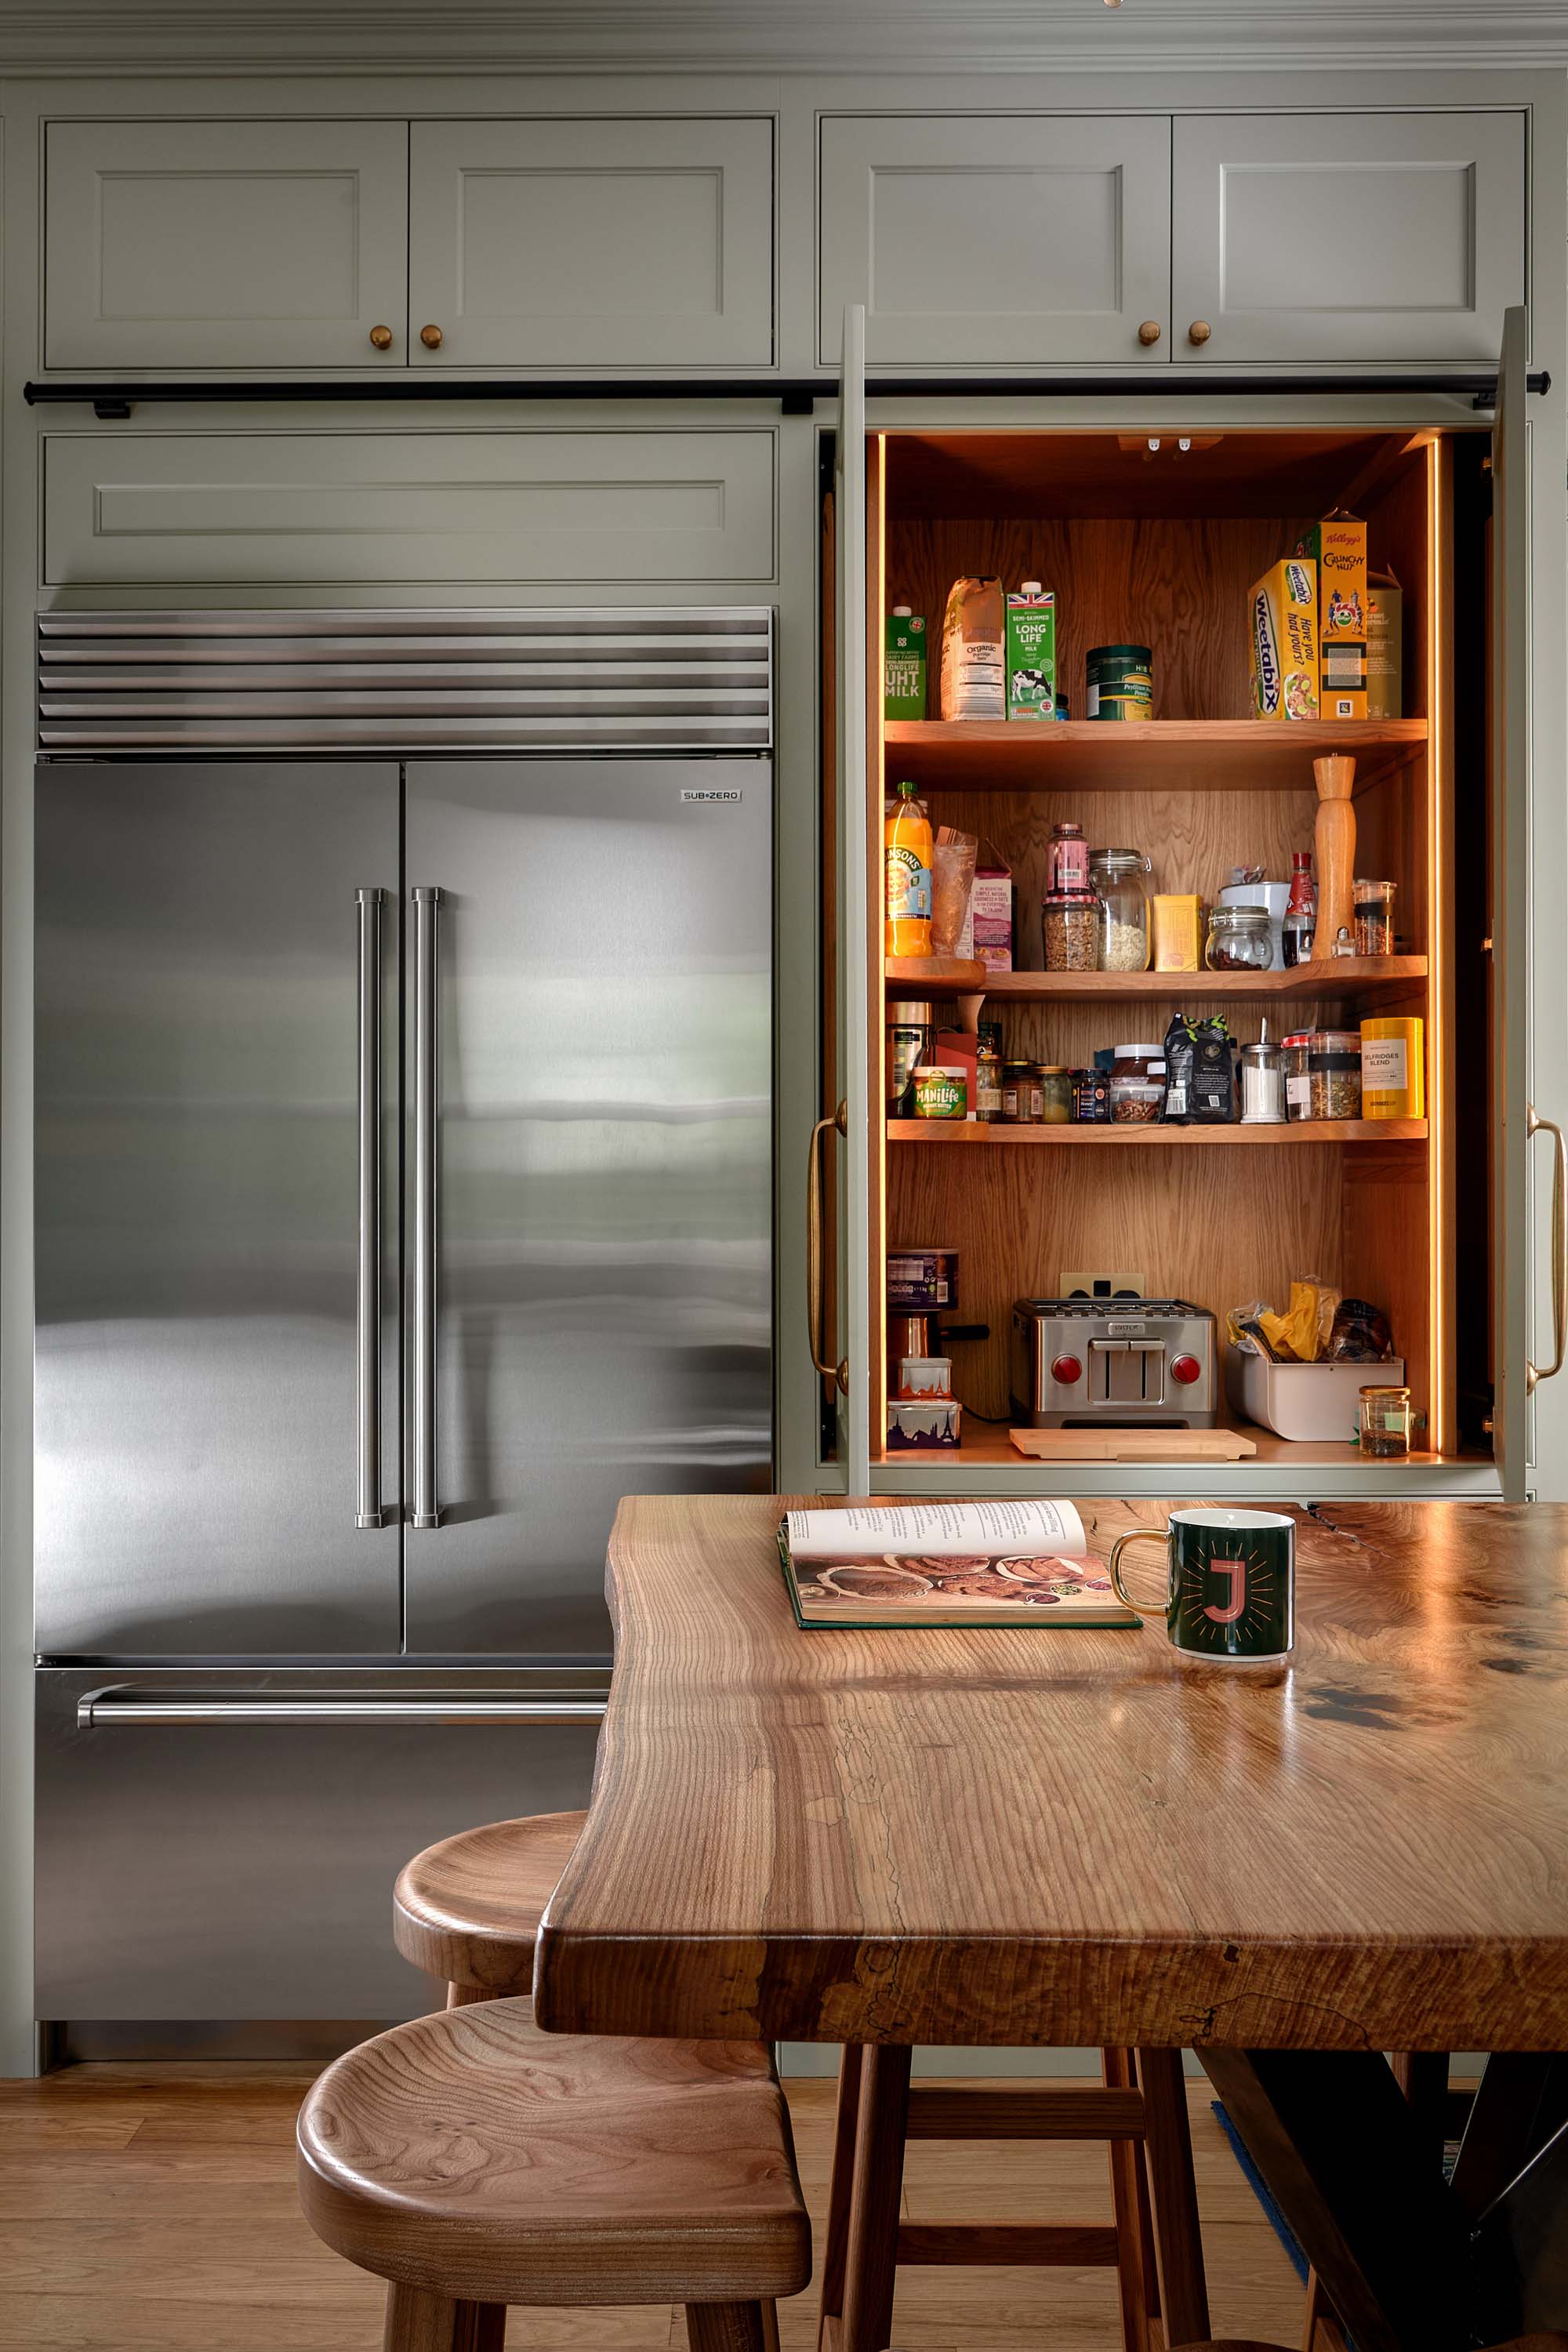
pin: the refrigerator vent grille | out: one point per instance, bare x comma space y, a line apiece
666, 679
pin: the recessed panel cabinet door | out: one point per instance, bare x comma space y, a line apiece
592, 243
1338, 239
987, 241
220, 244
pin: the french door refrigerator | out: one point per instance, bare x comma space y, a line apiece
402, 1199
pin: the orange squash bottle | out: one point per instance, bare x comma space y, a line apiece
906, 868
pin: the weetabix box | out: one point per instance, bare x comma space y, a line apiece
1285, 641
1337, 546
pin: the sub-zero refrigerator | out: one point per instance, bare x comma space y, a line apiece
402, 1199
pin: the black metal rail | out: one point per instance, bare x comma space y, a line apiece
794, 394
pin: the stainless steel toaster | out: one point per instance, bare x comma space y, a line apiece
1132, 1362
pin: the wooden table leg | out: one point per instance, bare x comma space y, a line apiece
1347, 2162
1136, 2270
836, 2245
871, 2262
1183, 2296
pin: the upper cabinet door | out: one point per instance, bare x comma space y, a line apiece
997, 241
225, 244
1343, 239
602, 244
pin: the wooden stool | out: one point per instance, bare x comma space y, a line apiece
474, 2162
1154, 2241
467, 1910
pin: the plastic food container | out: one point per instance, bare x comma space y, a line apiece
939, 1091
1305, 1403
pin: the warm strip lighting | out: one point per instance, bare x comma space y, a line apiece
1439, 814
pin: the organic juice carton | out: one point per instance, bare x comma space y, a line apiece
1337, 546
1032, 653
1285, 641
904, 665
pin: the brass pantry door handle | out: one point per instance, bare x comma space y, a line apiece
431, 337
1535, 1372
1148, 332
1199, 331
839, 1123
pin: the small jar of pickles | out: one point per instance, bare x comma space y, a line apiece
1055, 1093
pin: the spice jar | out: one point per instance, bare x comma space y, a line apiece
1056, 1094
1374, 903
1070, 925
1333, 1074
1117, 878
1138, 1085
1383, 1423
1294, 1051
911, 1036
1239, 940
1067, 857
987, 1082
1017, 1094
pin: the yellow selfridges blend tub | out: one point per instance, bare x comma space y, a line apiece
1393, 1068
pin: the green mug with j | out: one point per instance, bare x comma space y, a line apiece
1230, 1591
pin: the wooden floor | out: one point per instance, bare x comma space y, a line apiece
154, 2209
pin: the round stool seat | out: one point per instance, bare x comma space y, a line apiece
471, 2156
467, 1910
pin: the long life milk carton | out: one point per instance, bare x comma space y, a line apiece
904, 665
1284, 620
1337, 546
1032, 652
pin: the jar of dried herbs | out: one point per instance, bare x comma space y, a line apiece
1070, 925
1333, 1074
1383, 1423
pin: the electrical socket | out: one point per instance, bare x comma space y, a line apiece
1101, 1284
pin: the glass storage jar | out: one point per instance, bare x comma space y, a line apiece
1069, 926
1383, 1423
1295, 1049
1117, 877
1138, 1085
1067, 857
1239, 940
1333, 1074
1374, 903
987, 1083
1017, 1094
1056, 1094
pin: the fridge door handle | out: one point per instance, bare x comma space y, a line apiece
427, 1512
1534, 1373
367, 1317
112, 1705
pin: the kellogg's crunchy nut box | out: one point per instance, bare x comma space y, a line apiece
1337, 546
1285, 641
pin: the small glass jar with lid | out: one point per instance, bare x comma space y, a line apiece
1333, 1074
1067, 857
987, 1082
1239, 940
1117, 877
1017, 1094
1295, 1051
1138, 1085
1374, 904
1070, 928
1383, 1423
1056, 1094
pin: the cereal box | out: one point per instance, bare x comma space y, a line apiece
1337, 546
1285, 641
1031, 621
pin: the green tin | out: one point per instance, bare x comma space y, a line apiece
1121, 682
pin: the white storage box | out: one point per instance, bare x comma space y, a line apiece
1305, 1400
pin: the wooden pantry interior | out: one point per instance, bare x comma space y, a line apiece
1146, 540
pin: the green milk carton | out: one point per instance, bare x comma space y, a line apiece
904, 666
1032, 653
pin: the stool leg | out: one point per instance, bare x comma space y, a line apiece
1178, 2242
461, 1996
836, 2246
417, 2322
1135, 2276
873, 2253
726, 2326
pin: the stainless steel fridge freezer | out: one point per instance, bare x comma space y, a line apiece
404, 1197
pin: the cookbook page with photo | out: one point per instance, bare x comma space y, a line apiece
947, 1563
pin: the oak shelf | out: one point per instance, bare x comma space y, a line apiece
1149, 755
978, 1134
1367, 977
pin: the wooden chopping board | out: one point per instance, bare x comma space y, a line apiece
1132, 1444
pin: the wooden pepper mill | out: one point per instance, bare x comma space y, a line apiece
1333, 843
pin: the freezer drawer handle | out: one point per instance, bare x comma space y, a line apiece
367, 1332
160, 1708
426, 1509
1536, 1372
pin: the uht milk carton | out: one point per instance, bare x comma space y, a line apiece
1032, 653
1337, 546
1285, 641
904, 665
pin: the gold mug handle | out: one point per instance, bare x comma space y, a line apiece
1138, 1535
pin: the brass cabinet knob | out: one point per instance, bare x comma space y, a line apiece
382, 338
431, 337
1199, 331
1148, 332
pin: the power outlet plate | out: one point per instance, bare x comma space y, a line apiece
1101, 1285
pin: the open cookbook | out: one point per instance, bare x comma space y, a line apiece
946, 1564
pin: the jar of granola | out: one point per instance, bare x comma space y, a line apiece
1069, 926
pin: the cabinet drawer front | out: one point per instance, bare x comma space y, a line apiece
224, 245
548, 245
177, 508
1339, 238
982, 242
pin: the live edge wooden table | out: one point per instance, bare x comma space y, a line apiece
1074, 1839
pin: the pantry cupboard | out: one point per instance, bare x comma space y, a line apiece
1158, 538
